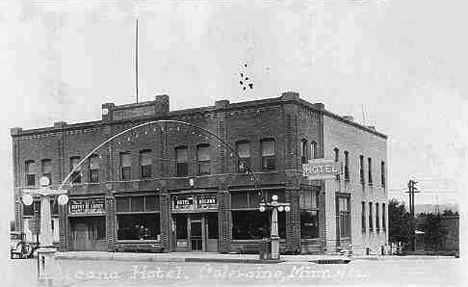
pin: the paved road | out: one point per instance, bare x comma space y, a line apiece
398, 272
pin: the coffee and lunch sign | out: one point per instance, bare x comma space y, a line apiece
91, 206
321, 169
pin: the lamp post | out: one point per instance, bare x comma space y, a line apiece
46, 251
275, 207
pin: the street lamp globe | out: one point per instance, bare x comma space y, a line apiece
44, 181
274, 197
62, 199
27, 199
287, 208
262, 208
280, 208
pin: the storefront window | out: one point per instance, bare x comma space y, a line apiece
138, 218
309, 224
253, 224
138, 226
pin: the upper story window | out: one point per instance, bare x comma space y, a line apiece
382, 173
336, 156
371, 225
377, 221
125, 166
361, 169
203, 158
146, 164
181, 161
346, 165
363, 216
94, 168
243, 150
304, 151
47, 169
313, 150
30, 171
384, 218
76, 175
369, 173
268, 154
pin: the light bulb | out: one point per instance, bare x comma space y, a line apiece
62, 199
262, 208
274, 197
280, 208
287, 208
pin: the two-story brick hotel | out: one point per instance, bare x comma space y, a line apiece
169, 186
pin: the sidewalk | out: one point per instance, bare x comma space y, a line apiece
188, 257
226, 258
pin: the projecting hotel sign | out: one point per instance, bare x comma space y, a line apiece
321, 169
86, 206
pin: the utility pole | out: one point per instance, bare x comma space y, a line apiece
411, 190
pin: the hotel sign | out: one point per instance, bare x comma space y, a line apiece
194, 202
93, 206
321, 169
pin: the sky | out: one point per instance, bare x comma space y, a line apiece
394, 64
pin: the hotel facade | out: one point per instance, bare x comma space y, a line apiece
192, 180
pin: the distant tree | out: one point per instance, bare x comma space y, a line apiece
449, 212
399, 222
434, 231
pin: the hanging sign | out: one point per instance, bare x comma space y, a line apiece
321, 169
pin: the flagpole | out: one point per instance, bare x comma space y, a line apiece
136, 61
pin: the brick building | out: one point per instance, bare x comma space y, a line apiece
176, 187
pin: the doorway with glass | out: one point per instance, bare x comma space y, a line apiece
195, 231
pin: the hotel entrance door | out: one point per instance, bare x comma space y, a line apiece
195, 231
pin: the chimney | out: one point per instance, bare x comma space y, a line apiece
162, 104
286, 96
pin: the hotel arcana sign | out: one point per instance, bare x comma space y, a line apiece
321, 169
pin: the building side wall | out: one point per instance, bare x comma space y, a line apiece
339, 134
